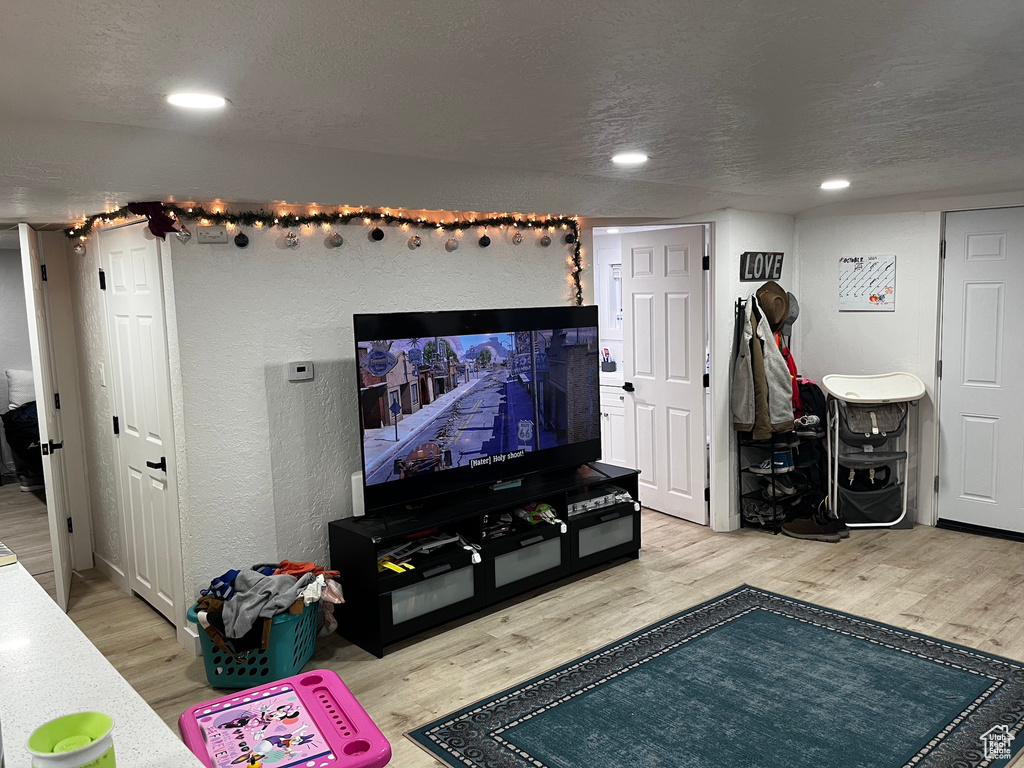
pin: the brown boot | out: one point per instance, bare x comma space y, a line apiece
811, 529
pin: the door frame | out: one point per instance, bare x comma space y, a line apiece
186, 637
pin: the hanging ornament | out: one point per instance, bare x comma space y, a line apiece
415, 242
242, 240
377, 234
485, 241
517, 238
335, 240
183, 235
291, 240
570, 238
451, 245
79, 248
545, 241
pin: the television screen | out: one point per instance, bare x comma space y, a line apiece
449, 400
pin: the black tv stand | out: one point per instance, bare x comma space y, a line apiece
383, 606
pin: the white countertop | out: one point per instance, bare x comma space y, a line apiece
48, 668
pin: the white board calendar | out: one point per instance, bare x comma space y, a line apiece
867, 283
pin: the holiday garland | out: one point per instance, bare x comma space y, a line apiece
161, 216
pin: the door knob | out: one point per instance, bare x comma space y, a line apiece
161, 465
628, 386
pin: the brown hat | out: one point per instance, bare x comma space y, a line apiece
774, 303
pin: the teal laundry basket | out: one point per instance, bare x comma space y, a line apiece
292, 642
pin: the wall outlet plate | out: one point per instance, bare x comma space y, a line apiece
212, 234
300, 371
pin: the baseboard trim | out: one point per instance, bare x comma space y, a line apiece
188, 638
112, 572
980, 530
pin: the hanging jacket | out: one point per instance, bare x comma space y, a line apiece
762, 390
787, 355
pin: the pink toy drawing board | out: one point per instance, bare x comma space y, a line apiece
309, 720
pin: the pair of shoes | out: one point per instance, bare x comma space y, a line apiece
810, 529
780, 488
759, 513
833, 525
31, 483
808, 420
781, 461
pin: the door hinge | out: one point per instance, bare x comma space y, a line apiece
938, 369
71, 526
707, 495
42, 268
705, 263
936, 483
103, 281
707, 381
56, 400
942, 249
117, 427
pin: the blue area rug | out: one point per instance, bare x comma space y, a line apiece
750, 679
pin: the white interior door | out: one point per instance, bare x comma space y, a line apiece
50, 436
981, 421
142, 406
663, 360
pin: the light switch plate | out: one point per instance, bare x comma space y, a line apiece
212, 234
300, 371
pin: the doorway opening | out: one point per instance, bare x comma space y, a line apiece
23, 522
652, 289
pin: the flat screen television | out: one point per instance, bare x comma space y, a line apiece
452, 400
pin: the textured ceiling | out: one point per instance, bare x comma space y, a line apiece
489, 105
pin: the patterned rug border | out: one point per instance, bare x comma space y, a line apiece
454, 715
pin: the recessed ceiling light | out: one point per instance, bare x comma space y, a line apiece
835, 184
629, 158
612, 231
196, 100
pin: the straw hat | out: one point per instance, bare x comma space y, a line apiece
774, 302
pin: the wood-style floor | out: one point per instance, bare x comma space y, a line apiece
954, 586
25, 530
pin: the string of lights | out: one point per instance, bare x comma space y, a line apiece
377, 217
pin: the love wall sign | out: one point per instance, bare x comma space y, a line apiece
756, 266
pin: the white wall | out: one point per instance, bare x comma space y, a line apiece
875, 342
269, 462
14, 348
736, 232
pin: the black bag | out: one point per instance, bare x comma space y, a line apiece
862, 480
813, 399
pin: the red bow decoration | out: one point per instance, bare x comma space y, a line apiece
159, 222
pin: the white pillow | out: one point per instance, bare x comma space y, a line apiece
21, 388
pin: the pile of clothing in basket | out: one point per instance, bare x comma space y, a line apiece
237, 610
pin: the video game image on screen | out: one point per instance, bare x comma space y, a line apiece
432, 404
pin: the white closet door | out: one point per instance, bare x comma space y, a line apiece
142, 405
663, 339
981, 415
50, 437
